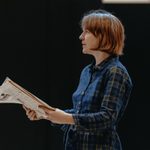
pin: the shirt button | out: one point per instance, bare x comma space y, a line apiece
82, 93
79, 103
77, 111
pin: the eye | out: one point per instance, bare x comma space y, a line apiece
85, 31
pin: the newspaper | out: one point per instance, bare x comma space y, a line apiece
11, 92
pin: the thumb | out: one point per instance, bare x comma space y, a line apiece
46, 109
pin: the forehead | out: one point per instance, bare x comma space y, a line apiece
97, 21
91, 21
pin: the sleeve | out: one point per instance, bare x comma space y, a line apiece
63, 127
111, 104
71, 111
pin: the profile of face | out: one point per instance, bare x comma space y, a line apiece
89, 41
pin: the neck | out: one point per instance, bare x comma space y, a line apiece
100, 56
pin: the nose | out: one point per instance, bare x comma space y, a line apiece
81, 36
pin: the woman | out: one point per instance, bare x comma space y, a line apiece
103, 91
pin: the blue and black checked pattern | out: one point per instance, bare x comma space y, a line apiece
98, 104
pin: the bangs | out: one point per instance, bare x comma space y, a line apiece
91, 23
95, 23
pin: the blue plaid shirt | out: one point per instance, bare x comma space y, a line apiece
98, 104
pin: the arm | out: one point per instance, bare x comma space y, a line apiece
58, 116
55, 116
115, 88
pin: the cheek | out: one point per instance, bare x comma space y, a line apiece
95, 43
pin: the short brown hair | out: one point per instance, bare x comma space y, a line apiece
108, 28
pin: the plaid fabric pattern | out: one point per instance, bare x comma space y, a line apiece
98, 104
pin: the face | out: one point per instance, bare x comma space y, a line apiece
89, 41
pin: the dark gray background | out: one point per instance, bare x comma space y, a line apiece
41, 51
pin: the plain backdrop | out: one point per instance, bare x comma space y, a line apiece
41, 51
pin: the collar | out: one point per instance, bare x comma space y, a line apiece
102, 64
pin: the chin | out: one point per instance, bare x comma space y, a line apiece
84, 51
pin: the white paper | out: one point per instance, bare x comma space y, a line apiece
11, 92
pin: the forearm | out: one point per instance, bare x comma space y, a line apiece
58, 116
67, 122
69, 119
93, 121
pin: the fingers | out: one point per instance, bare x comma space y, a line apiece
25, 108
48, 112
31, 114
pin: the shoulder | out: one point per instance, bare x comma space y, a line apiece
119, 71
116, 67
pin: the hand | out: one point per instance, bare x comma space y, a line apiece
58, 116
31, 114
